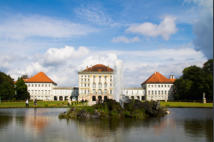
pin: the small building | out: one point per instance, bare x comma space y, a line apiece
158, 87
134, 93
41, 87
95, 83
62, 93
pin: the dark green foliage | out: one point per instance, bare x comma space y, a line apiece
195, 81
208, 66
21, 90
6, 87
135, 109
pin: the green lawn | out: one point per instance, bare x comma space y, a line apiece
63, 104
186, 104
40, 104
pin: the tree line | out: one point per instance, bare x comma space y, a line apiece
10, 90
194, 82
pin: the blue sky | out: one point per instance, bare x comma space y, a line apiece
58, 36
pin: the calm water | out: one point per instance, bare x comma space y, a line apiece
182, 125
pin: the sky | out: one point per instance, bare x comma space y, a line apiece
63, 37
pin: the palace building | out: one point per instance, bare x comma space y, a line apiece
41, 87
96, 83
158, 87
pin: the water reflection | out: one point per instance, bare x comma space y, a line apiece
5, 120
199, 128
36, 122
23, 125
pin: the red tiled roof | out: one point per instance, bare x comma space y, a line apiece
40, 77
158, 78
98, 68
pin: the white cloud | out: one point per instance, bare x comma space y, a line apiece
165, 29
94, 15
59, 55
21, 27
137, 65
125, 39
207, 4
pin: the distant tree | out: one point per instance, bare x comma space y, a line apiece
208, 66
21, 90
7, 91
208, 86
195, 81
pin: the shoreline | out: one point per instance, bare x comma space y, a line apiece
64, 104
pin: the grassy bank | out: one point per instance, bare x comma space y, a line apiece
186, 105
40, 104
64, 104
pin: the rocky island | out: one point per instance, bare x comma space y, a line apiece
134, 109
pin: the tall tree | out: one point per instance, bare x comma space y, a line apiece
208, 66
194, 82
21, 90
6, 87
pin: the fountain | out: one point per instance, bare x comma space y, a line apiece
118, 74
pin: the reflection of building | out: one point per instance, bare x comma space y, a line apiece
158, 87
134, 93
96, 83
41, 87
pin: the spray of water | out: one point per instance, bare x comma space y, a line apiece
118, 73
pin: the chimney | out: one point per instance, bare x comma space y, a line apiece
171, 77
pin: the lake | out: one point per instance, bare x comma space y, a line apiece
42, 124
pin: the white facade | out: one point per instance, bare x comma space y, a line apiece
95, 84
134, 93
159, 91
65, 93
41, 91
50, 92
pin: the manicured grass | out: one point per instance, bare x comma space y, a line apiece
186, 104
64, 104
40, 104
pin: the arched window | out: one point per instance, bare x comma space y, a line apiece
100, 85
94, 85
99, 91
94, 91
105, 85
105, 91
93, 98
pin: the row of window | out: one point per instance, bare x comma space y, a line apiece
88, 80
160, 85
134, 92
39, 85
95, 92
155, 96
94, 85
158, 92
39, 91
94, 76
